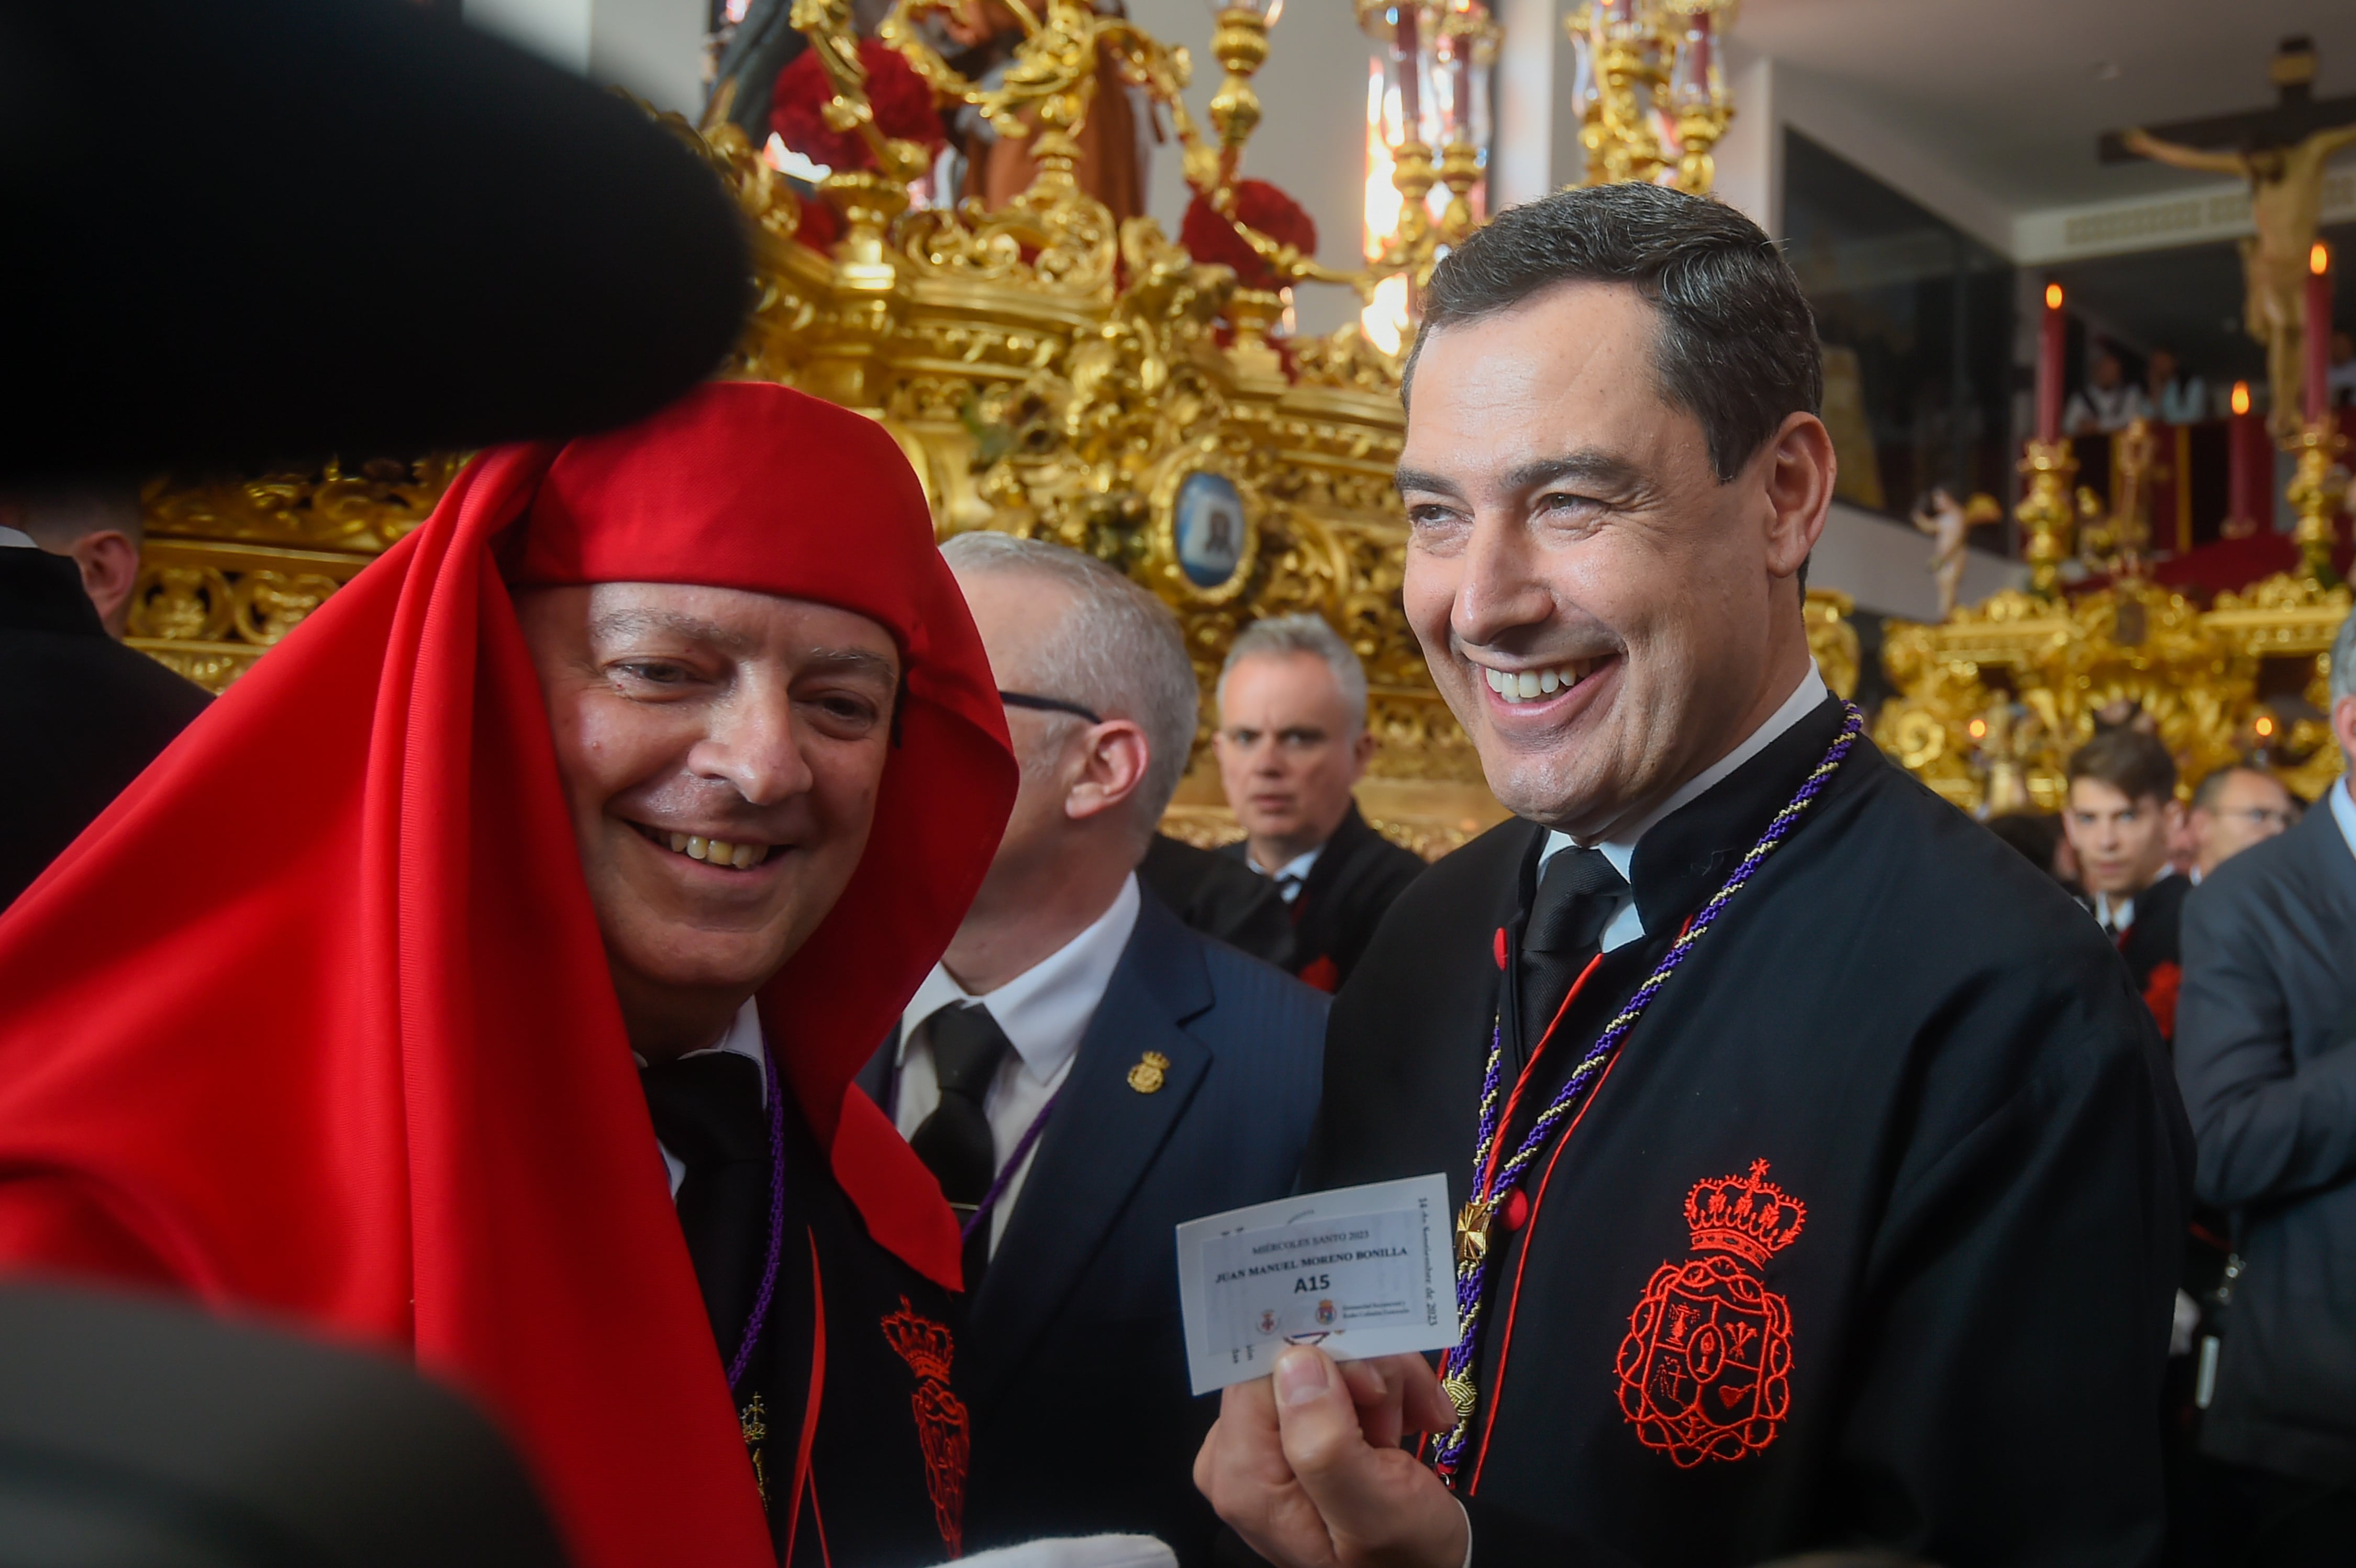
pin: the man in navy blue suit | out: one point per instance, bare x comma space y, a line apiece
1083, 1072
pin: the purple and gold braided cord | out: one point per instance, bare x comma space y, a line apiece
1473, 1272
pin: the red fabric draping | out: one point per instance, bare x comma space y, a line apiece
315, 1020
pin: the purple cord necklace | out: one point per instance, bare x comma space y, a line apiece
981, 1215
1491, 1188
744, 1357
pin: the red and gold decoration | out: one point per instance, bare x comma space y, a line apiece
1704, 1371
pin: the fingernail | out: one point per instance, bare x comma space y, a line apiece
1300, 1377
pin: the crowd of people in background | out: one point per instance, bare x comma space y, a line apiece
2245, 968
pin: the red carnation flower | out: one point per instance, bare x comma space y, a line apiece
1211, 240
902, 103
2159, 993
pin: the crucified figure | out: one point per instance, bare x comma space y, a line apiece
2285, 207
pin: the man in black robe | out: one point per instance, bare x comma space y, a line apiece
1867, 1236
1291, 744
84, 712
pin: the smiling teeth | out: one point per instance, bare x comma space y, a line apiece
719, 851
1527, 685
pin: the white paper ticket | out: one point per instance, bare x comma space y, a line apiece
1361, 1271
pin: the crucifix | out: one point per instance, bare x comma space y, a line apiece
2281, 153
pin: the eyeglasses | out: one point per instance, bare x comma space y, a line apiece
2261, 816
1049, 706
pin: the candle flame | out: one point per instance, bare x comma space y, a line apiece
2241, 397
2318, 259
2053, 296
2266, 725
1978, 728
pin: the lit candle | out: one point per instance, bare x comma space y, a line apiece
2052, 338
2249, 470
2318, 332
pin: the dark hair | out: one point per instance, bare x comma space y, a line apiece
2037, 837
1736, 346
2128, 761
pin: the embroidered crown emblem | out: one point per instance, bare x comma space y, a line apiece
924, 1345
1746, 1215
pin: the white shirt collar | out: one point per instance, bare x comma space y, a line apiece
2343, 811
17, 539
1628, 924
1292, 876
1044, 1010
1621, 850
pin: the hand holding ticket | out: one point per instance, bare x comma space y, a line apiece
1358, 1272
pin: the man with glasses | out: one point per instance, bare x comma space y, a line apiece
2235, 807
1291, 745
1082, 1071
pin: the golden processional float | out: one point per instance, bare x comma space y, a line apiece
1053, 373
1056, 373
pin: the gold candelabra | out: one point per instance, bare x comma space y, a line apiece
1637, 63
2046, 513
2317, 486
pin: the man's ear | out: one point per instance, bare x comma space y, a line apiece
1799, 471
1112, 768
2343, 725
1361, 752
110, 570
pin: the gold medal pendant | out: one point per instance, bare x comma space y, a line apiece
1473, 1231
753, 1421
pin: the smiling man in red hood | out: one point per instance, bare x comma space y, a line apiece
650, 775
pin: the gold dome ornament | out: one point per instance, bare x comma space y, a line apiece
1147, 1076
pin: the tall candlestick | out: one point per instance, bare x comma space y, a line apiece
1410, 50
2052, 340
2318, 332
2249, 468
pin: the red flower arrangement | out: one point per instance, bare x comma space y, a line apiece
902, 103
1211, 240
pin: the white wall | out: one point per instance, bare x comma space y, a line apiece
1885, 566
652, 47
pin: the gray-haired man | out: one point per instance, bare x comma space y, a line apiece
1082, 1071
1291, 743
2265, 1050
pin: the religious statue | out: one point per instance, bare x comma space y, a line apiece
2137, 462
1949, 524
2284, 172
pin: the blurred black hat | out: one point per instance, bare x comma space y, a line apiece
252, 230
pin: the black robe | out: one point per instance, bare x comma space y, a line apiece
83, 715
1348, 890
1957, 1354
1213, 895
890, 1438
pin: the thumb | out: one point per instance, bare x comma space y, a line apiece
1317, 1421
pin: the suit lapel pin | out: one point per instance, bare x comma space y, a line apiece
1146, 1076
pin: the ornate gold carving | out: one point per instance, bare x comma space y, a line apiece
208, 610
1991, 702
1832, 640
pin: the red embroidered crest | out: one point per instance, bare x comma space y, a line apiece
1704, 1371
943, 1431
